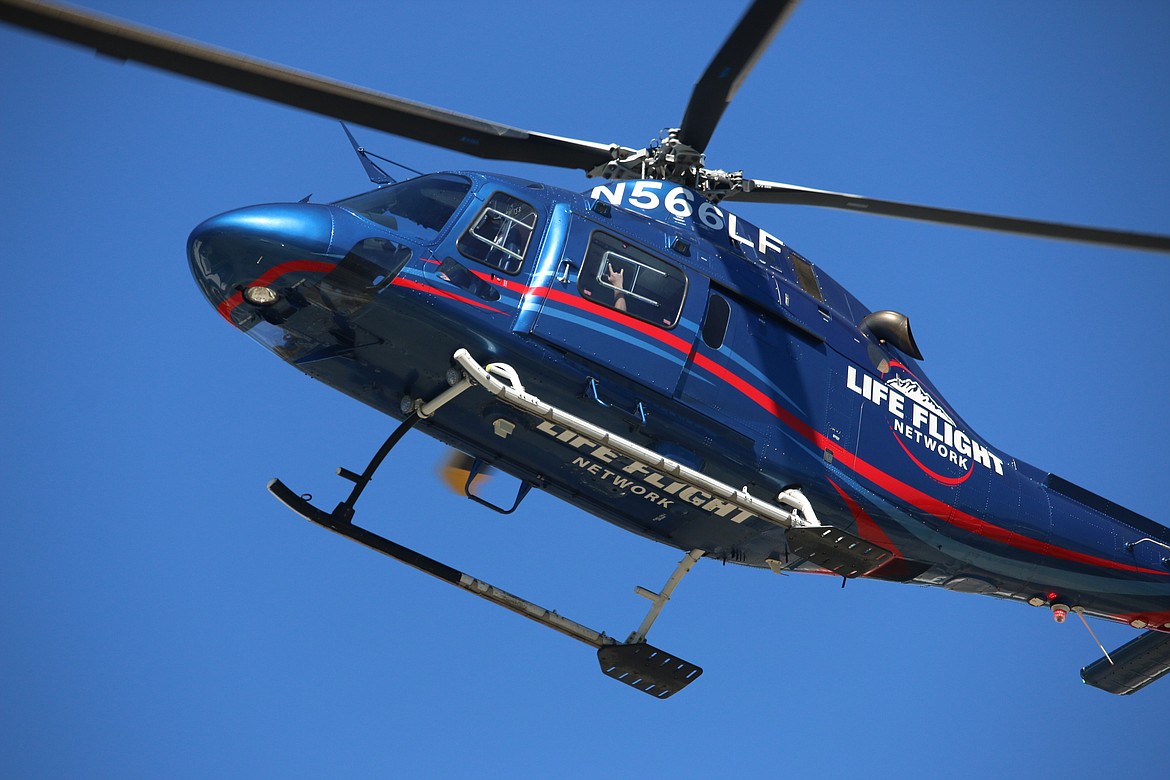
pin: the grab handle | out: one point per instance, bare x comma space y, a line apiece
592, 391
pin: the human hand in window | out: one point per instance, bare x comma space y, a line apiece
616, 278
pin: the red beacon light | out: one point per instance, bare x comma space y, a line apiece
1059, 612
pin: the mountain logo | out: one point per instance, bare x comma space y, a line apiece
912, 390
920, 423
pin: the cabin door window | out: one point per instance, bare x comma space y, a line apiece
621, 306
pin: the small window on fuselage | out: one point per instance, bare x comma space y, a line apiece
500, 234
624, 277
807, 276
715, 321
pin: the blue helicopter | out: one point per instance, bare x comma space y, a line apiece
643, 353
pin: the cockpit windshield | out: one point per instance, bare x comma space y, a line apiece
417, 208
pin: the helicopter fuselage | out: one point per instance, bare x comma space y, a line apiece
651, 312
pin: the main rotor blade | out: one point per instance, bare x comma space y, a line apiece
757, 191
377, 110
731, 65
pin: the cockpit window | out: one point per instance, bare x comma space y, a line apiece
500, 234
418, 208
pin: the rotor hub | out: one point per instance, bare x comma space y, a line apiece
668, 158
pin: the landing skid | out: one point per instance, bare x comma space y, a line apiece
637, 664
634, 662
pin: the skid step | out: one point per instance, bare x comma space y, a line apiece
837, 550
647, 668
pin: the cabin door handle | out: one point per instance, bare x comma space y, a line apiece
564, 269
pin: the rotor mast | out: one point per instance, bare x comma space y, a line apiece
678, 155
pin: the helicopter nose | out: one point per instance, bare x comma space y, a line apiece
257, 246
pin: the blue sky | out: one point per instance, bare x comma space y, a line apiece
164, 616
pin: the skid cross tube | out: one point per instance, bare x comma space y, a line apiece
344, 511
659, 599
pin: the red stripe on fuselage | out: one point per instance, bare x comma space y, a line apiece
912, 496
613, 315
867, 527
950, 481
1155, 621
426, 288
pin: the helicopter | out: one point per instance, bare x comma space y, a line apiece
650, 411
